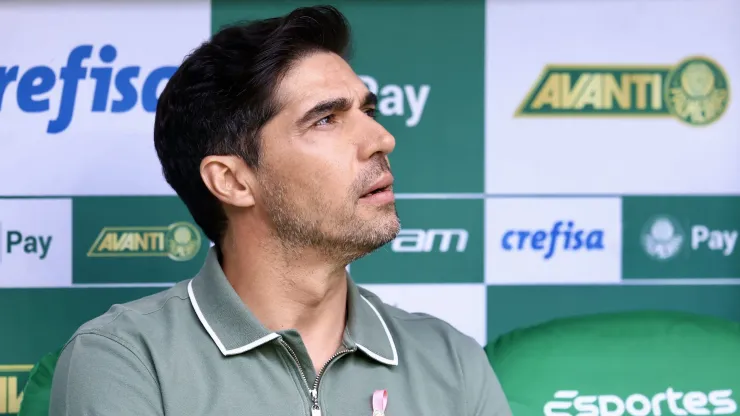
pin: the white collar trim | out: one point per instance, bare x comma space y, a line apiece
273, 335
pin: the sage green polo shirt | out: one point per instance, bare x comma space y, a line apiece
196, 349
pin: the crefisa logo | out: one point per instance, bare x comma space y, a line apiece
115, 89
563, 236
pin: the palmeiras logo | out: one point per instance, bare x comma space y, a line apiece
662, 237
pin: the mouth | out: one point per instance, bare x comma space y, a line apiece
377, 191
381, 191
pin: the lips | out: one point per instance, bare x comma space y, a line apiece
385, 183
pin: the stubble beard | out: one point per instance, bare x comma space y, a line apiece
339, 235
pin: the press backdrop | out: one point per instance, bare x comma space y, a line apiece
553, 158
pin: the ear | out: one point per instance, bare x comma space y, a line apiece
229, 179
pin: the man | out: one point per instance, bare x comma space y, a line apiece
269, 138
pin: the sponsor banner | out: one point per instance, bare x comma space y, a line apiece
643, 109
468, 315
35, 242
553, 240
13, 378
670, 401
681, 237
512, 307
135, 240
84, 98
431, 102
441, 241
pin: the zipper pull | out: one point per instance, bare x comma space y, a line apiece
315, 409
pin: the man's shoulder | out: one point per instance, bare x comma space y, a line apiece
428, 332
127, 322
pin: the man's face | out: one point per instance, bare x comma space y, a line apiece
321, 155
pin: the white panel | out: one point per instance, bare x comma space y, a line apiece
36, 244
613, 155
553, 240
461, 305
91, 152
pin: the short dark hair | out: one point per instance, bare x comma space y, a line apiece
222, 95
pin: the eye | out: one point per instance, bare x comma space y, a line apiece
326, 120
371, 112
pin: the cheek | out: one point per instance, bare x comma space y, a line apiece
315, 186
331, 171
333, 182
322, 170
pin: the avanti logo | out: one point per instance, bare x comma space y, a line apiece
179, 241
128, 83
12, 379
426, 241
663, 238
716, 402
563, 235
399, 100
695, 91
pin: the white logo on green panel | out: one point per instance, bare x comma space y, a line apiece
569, 403
713, 239
427, 241
662, 238
405, 100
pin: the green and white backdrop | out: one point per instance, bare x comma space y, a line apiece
554, 158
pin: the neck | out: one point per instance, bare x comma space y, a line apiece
290, 290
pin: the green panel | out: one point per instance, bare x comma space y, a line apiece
37, 321
511, 307
135, 240
680, 237
441, 241
636, 364
406, 47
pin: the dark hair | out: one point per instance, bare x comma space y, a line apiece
222, 95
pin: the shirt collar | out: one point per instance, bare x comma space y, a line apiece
235, 330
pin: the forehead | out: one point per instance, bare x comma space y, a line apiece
318, 77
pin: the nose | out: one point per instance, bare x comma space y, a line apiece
378, 140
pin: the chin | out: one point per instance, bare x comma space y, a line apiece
372, 235
395, 228
386, 230
387, 222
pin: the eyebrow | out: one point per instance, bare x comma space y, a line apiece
336, 104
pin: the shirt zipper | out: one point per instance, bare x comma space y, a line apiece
313, 391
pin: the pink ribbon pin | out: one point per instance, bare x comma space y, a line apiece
380, 401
